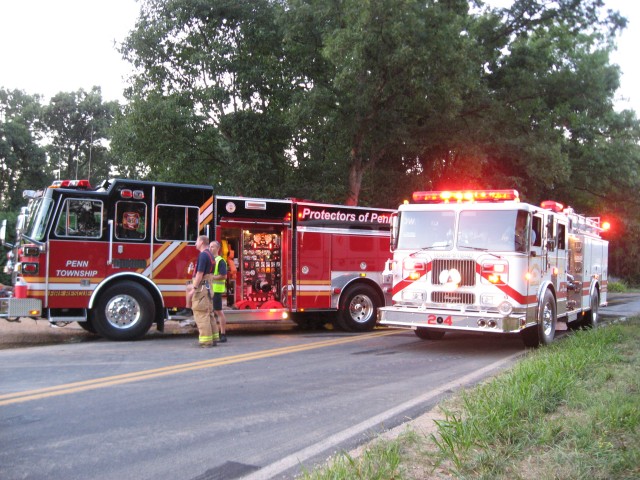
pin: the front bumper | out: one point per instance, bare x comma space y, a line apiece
20, 307
412, 317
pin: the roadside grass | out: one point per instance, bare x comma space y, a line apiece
567, 411
620, 286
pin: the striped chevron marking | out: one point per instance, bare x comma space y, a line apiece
206, 213
163, 257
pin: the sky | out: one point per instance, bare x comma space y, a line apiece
52, 46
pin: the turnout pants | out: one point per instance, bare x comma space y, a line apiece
203, 315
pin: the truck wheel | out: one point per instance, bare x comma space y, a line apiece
359, 309
429, 334
87, 326
544, 332
125, 311
591, 318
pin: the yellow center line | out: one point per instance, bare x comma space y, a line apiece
65, 389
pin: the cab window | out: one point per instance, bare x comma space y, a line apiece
562, 236
176, 222
537, 232
131, 220
80, 218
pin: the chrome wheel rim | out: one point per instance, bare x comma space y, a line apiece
122, 312
361, 308
547, 319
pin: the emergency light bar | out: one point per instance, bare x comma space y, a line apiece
552, 205
71, 184
466, 196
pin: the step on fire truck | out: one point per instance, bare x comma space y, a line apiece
481, 261
115, 258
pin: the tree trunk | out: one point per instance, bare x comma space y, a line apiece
356, 172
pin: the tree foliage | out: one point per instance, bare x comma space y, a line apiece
77, 124
22, 159
325, 98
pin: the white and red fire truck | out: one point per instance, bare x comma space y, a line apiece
115, 258
482, 261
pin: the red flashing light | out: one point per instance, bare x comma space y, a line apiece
135, 194
552, 205
79, 184
30, 268
466, 196
606, 226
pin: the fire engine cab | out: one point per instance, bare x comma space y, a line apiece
116, 258
482, 261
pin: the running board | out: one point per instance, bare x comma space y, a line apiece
279, 315
248, 315
67, 318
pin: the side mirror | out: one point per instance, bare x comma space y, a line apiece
394, 232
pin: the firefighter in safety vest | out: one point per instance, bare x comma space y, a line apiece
219, 279
201, 302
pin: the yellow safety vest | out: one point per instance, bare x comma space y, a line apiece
219, 286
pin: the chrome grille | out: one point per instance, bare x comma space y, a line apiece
467, 269
453, 297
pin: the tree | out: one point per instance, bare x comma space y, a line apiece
325, 97
218, 63
22, 159
77, 125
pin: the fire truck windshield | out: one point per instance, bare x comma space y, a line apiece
491, 230
426, 230
39, 212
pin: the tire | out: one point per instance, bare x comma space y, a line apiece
429, 334
544, 332
592, 317
358, 310
87, 326
125, 311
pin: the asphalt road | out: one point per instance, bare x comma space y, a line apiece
264, 405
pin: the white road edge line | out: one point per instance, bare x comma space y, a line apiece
301, 456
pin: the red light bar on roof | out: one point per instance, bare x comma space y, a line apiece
466, 196
71, 184
552, 205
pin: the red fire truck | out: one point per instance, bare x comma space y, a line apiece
115, 258
482, 261
303, 259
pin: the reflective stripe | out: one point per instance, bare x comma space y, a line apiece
209, 338
219, 286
